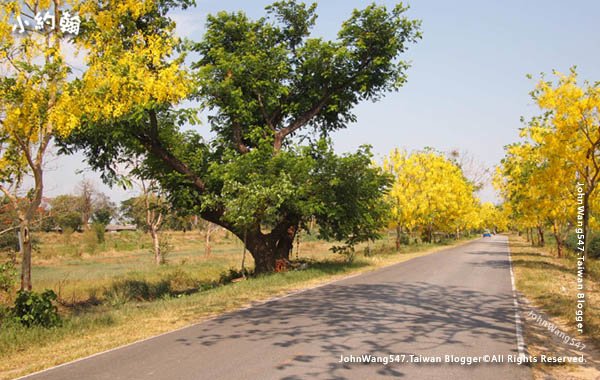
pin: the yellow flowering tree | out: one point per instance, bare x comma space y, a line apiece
492, 217
513, 181
538, 176
570, 138
429, 193
33, 77
133, 65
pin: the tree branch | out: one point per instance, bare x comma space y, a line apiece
300, 121
153, 145
237, 139
264, 112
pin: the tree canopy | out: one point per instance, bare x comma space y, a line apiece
275, 95
559, 149
430, 193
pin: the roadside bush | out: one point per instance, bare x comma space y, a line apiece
173, 284
32, 308
123, 291
8, 275
4, 314
180, 281
404, 239
232, 274
593, 248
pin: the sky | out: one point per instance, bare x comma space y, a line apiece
467, 87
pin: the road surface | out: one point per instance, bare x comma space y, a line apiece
458, 301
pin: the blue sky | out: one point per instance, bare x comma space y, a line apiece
467, 87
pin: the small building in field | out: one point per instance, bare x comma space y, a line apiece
120, 227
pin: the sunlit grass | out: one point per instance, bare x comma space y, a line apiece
551, 284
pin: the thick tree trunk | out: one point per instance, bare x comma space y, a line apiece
398, 234
266, 249
26, 256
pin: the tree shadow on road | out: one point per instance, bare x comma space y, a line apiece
381, 319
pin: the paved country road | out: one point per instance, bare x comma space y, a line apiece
458, 301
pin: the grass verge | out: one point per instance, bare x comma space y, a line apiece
98, 328
550, 285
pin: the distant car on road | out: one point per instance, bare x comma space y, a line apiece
487, 234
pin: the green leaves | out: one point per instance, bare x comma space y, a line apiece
33, 308
260, 188
349, 192
271, 74
274, 95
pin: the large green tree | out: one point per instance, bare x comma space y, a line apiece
275, 95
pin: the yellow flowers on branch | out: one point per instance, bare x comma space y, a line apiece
33, 77
129, 69
560, 149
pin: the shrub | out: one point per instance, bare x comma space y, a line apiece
123, 291
32, 308
8, 275
593, 245
90, 242
9, 241
404, 239
99, 230
8, 279
232, 274
4, 314
180, 281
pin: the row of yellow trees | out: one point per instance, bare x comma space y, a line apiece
552, 173
430, 193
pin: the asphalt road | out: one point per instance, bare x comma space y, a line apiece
455, 302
